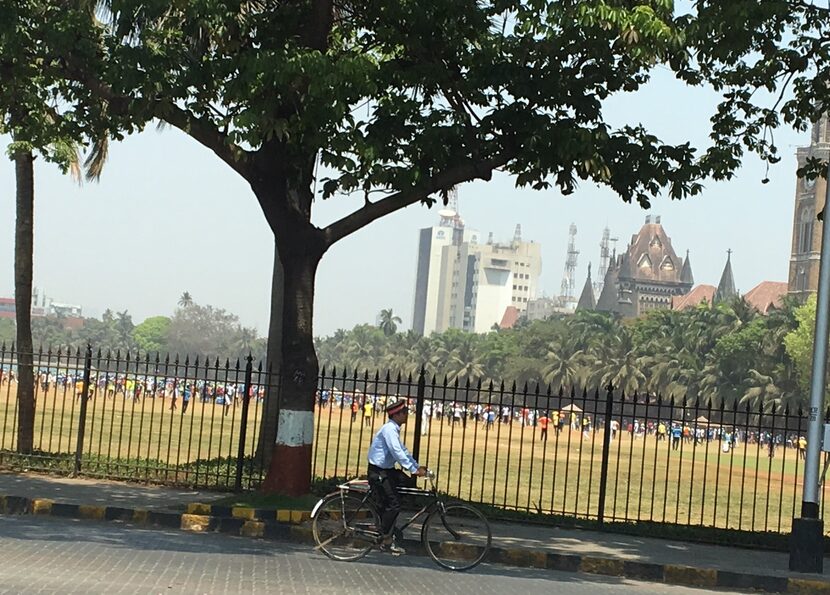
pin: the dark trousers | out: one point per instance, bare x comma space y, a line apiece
385, 484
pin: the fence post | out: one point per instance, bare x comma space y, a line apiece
419, 410
79, 446
606, 446
243, 430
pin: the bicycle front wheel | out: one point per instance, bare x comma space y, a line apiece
345, 527
457, 537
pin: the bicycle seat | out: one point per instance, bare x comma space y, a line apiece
355, 485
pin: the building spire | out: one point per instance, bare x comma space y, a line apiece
726, 287
686, 273
586, 299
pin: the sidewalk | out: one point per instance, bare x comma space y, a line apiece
93, 492
514, 544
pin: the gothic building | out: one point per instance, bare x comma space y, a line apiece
646, 275
586, 298
809, 200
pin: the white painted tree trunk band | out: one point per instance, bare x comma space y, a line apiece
296, 428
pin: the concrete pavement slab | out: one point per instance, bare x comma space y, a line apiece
514, 544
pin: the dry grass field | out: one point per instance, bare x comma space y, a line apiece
140, 439
510, 465
507, 465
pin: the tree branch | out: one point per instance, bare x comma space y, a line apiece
199, 129
207, 134
464, 172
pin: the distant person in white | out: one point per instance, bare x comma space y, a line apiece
386, 450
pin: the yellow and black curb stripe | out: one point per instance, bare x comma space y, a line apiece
290, 525
200, 518
295, 517
664, 573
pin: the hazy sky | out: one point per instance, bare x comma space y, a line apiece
168, 216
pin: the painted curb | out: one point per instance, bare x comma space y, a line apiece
281, 515
287, 525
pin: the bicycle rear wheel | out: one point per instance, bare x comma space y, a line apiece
345, 527
457, 538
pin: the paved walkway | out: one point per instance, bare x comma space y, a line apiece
62, 557
645, 549
509, 536
101, 493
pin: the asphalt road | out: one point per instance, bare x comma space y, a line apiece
48, 555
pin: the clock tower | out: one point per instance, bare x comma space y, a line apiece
809, 200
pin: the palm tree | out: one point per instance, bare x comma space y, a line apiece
762, 392
359, 355
399, 353
186, 300
123, 327
594, 331
673, 372
563, 363
465, 361
623, 373
561, 370
388, 322
245, 341
423, 353
614, 361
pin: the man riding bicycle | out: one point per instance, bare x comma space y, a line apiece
386, 450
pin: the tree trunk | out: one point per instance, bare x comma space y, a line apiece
273, 358
289, 471
23, 256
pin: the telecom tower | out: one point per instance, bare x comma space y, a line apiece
604, 258
569, 278
449, 217
452, 199
517, 234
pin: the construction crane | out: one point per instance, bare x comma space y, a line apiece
568, 289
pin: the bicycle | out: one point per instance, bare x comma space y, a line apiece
346, 525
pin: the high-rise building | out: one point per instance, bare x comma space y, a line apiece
463, 284
809, 200
432, 241
495, 277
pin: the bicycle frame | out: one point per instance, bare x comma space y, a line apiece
435, 502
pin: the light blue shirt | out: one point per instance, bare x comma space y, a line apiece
387, 449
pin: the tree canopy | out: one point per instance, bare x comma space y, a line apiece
196, 330
725, 354
402, 100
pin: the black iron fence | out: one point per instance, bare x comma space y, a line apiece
596, 454
163, 420
585, 454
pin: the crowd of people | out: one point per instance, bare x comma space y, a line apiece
177, 392
365, 407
